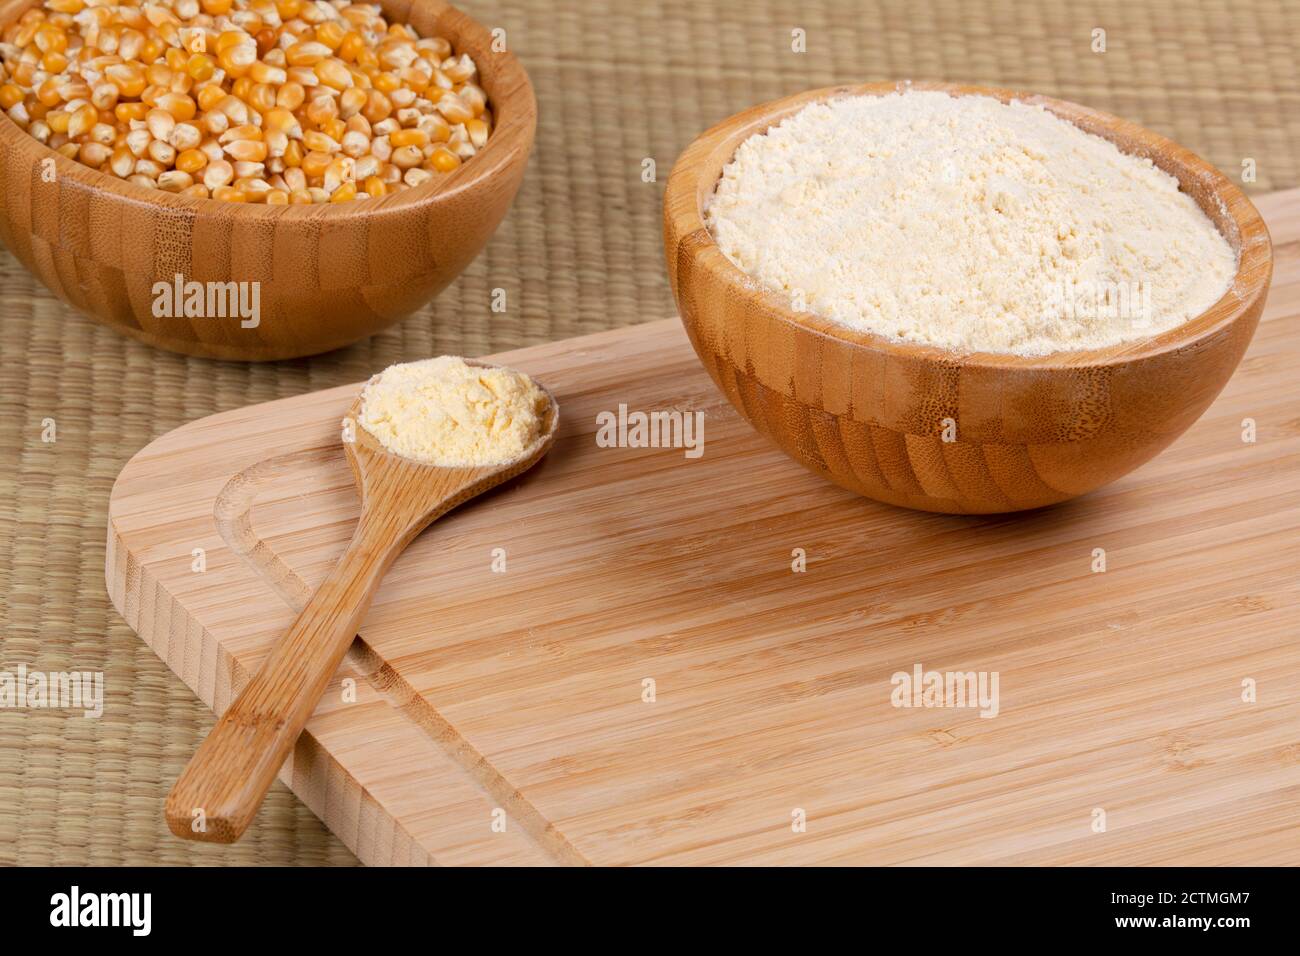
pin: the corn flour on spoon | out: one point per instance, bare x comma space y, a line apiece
219, 792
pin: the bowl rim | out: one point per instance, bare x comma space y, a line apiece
514, 109
685, 228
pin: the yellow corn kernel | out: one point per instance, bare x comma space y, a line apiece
478, 132
321, 109
210, 96
408, 137
178, 104
104, 96
444, 160
293, 154
277, 197
215, 8
122, 162
352, 102
48, 93
238, 60
290, 96
334, 129
474, 98
318, 142
159, 74
27, 31
25, 72
10, 95
185, 136
406, 157
264, 73
49, 38
414, 79
94, 154
174, 57
254, 190
375, 186
378, 107
368, 62
333, 73
314, 164
200, 67
152, 49
129, 78
282, 120
236, 110
160, 123
229, 39
54, 62
191, 160
436, 127
454, 109
175, 180
306, 54
331, 34
244, 131
344, 193
229, 194
351, 47
81, 121
126, 112
247, 150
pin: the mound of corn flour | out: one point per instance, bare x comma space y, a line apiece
967, 224
443, 411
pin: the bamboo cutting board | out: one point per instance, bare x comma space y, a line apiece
650, 680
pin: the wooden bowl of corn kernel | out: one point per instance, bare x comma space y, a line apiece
254, 179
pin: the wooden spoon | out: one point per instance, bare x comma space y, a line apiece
219, 792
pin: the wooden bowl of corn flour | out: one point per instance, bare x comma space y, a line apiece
961, 299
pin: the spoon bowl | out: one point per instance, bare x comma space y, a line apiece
219, 792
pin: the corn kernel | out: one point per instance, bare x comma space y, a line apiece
191, 160
200, 67
290, 96
444, 160
277, 101
10, 95
178, 104
314, 164
408, 137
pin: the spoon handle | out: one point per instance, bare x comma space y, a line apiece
219, 792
